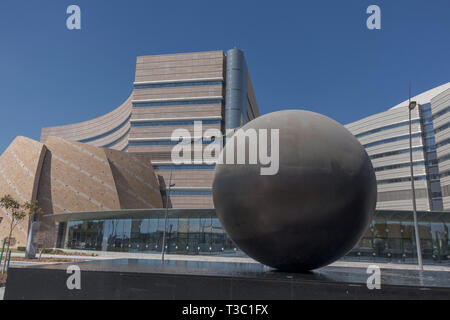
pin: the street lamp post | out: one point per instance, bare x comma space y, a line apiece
412, 105
165, 216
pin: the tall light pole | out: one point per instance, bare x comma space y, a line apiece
165, 216
412, 106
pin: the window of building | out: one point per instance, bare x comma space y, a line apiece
399, 138
391, 126
176, 103
177, 84
174, 123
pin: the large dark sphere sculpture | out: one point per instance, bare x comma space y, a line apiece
314, 210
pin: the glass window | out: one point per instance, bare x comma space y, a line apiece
182, 236
194, 236
173, 123
190, 192
443, 143
171, 235
391, 126
390, 237
154, 235
442, 128
394, 153
397, 180
164, 143
380, 236
399, 138
185, 167
115, 141
177, 84
441, 113
401, 165
408, 242
176, 103
394, 240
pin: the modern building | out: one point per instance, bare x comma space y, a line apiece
385, 136
171, 92
65, 176
389, 238
102, 183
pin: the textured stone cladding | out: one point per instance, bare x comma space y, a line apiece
136, 182
66, 176
109, 131
20, 167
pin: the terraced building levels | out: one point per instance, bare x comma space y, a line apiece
172, 92
386, 138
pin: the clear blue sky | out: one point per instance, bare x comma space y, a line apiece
306, 54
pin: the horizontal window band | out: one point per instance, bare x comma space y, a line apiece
394, 139
398, 166
177, 99
397, 180
196, 161
177, 84
441, 113
442, 175
391, 126
185, 167
116, 141
442, 128
401, 195
445, 190
394, 153
174, 123
106, 133
190, 193
175, 103
178, 80
179, 138
164, 143
443, 143
444, 158
190, 188
177, 119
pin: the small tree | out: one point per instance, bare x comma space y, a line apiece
33, 211
18, 213
32, 208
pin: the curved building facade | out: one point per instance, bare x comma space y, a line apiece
109, 131
385, 136
174, 91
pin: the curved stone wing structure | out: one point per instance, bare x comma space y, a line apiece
108, 131
66, 176
20, 168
